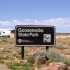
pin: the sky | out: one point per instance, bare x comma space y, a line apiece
35, 12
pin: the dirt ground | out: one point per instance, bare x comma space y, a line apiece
3, 67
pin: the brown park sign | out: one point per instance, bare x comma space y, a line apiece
34, 35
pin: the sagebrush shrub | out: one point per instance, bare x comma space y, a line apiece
31, 59
54, 56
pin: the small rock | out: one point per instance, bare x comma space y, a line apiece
8, 51
32, 53
16, 59
9, 48
14, 52
57, 66
41, 60
3, 50
19, 52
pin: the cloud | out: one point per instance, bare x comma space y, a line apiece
16, 22
24, 22
28, 20
57, 22
5, 23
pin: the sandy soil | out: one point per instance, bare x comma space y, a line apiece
3, 67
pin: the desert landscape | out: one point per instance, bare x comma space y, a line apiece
35, 58
40, 29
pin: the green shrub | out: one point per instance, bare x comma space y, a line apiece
11, 66
54, 57
31, 59
16, 68
48, 62
39, 66
65, 60
27, 64
6, 58
30, 65
26, 68
17, 64
1, 57
1, 61
40, 53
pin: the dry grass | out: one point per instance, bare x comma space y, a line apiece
11, 50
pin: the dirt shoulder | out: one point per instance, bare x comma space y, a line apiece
3, 67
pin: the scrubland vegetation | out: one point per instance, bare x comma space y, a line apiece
11, 55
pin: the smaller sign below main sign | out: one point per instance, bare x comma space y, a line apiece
34, 35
